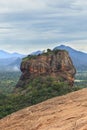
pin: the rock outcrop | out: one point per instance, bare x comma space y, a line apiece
68, 112
56, 64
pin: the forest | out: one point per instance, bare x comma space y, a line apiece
38, 90
8, 80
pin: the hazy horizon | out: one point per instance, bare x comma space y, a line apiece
42, 49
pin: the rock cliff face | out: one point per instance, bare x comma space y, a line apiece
57, 64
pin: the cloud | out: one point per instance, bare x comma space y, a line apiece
20, 5
27, 23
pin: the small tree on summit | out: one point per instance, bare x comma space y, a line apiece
49, 50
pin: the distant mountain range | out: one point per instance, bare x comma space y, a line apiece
6, 55
12, 61
79, 58
36, 52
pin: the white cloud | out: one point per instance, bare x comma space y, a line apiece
81, 4
38, 5
20, 5
42, 21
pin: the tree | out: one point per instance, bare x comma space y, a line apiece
48, 50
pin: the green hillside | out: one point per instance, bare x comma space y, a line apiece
36, 91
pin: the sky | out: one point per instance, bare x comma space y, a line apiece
30, 25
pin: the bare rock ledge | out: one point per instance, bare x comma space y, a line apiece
67, 112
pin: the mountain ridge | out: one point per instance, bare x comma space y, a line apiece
69, 48
9, 61
78, 57
5, 55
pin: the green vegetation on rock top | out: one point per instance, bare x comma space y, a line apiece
49, 52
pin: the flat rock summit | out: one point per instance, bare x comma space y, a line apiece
67, 112
56, 64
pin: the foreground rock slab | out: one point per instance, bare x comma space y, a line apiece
67, 112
